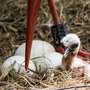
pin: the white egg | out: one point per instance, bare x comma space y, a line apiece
39, 48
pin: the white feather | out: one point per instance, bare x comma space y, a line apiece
69, 40
48, 58
39, 48
16, 63
55, 59
87, 71
77, 62
51, 60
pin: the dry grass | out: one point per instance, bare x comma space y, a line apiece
56, 80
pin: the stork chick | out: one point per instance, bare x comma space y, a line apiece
16, 63
39, 48
42, 62
72, 43
71, 61
38, 65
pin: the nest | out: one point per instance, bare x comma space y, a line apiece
56, 80
76, 14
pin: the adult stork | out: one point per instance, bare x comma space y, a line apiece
33, 12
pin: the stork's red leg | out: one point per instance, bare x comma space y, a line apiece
53, 10
57, 21
33, 10
84, 54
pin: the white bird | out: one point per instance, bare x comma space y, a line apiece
70, 41
71, 60
37, 65
39, 48
52, 60
16, 63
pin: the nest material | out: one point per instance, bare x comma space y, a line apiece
12, 33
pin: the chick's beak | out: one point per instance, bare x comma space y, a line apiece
67, 51
70, 49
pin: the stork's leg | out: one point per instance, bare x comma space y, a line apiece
53, 10
33, 10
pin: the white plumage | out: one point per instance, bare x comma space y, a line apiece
40, 65
39, 48
77, 62
69, 40
16, 63
55, 59
47, 57
87, 71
